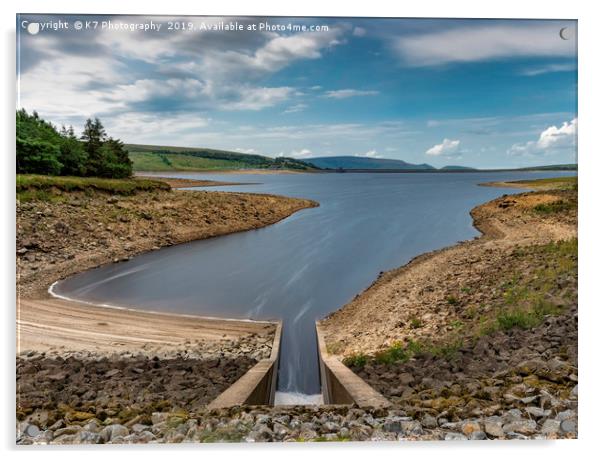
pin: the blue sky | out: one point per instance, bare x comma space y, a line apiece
483, 93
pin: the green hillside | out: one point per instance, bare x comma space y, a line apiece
554, 167
164, 158
355, 162
457, 168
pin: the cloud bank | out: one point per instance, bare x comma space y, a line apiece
551, 139
471, 43
446, 148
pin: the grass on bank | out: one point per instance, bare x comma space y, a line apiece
555, 183
524, 302
145, 161
555, 207
47, 188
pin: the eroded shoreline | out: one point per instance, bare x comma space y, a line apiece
479, 338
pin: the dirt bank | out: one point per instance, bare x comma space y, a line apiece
421, 299
190, 182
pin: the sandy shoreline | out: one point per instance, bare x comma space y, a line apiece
189, 182
53, 324
229, 172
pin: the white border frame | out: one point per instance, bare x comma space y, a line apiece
590, 105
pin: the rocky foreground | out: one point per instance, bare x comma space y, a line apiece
77, 390
297, 424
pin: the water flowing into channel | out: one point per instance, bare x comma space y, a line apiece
305, 266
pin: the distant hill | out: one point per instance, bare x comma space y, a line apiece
356, 162
165, 158
457, 168
554, 167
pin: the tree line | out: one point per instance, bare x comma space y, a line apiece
44, 149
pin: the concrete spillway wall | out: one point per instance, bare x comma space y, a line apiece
258, 385
340, 385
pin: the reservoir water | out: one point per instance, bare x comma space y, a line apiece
305, 266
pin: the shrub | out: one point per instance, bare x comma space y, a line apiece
452, 300
357, 360
415, 322
554, 207
516, 318
394, 353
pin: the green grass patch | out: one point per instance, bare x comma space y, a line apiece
46, 188
38, 195
453, 300
415, 322
395, 353
357, 360
399, 352
516, 318
558, 183
145, 161
457, 324
446, 349
555, 207
526, 298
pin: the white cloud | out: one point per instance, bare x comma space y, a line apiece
58, 90
554, 136
345, 93
68, 83
478, 42
140, 127
303, 153
534, 71
369, 154
275, 54
248, 151
250, 98
295, 108
446, 148
359, 32
282, 50
309, 132
146, 89
551, 139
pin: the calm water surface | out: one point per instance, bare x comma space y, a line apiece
305, 266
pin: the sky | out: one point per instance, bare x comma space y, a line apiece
480, 93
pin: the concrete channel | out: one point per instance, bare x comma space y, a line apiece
258, 385
340, 386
